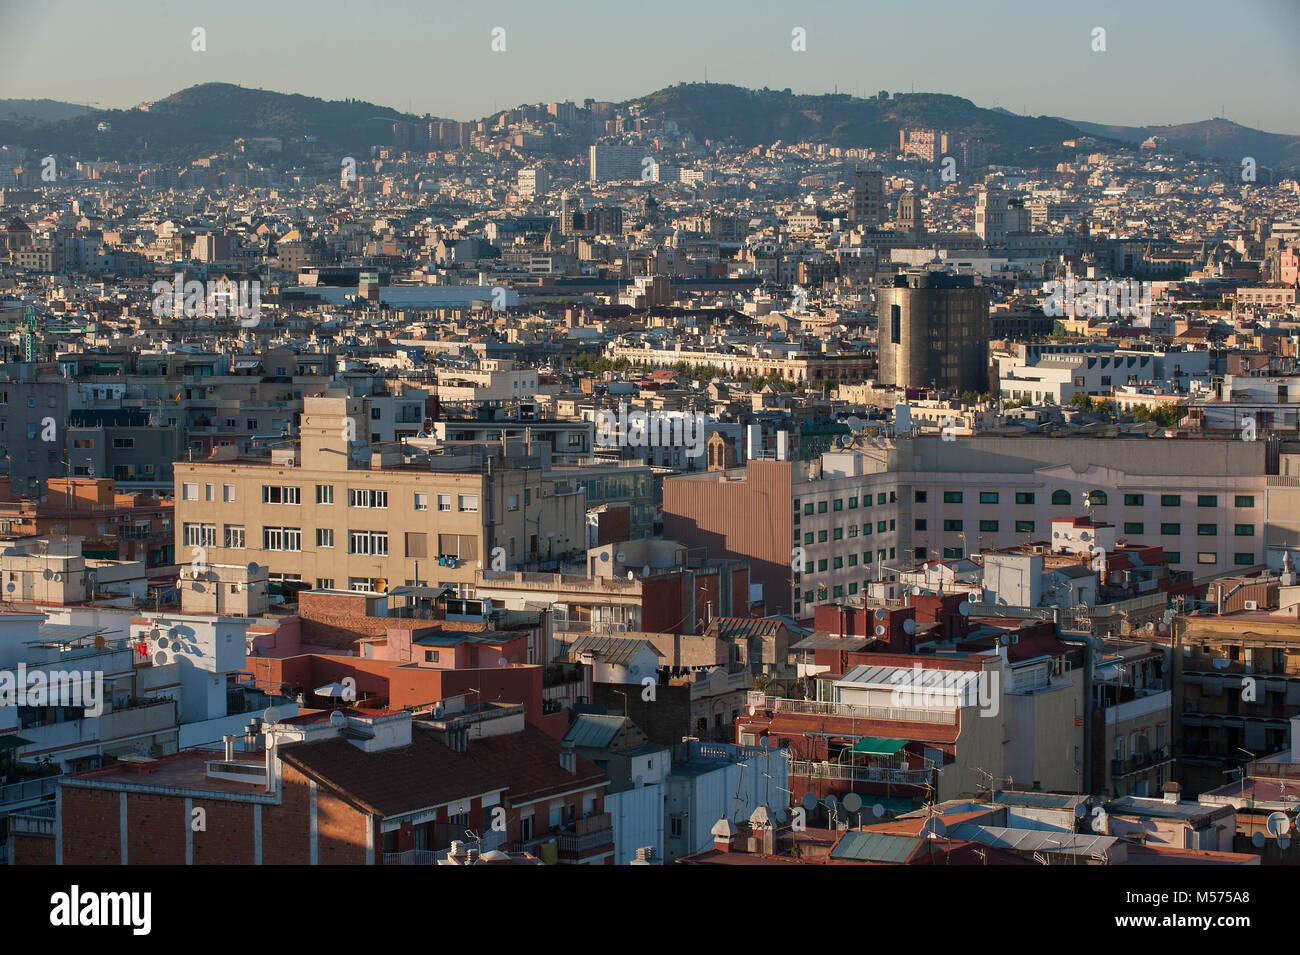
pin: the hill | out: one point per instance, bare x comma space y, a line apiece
1211, 139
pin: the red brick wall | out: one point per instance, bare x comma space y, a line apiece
31, 850
90, 827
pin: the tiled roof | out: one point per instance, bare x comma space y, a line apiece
427, 773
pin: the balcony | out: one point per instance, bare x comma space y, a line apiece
577, 840
860, 774
1140, 762
946, 716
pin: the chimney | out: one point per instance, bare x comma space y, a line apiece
230, 746
458, 738
568, 758
1173, 793
724, 834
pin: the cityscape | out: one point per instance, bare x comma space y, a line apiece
715, 475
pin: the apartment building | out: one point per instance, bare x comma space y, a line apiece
337, 515
828, 527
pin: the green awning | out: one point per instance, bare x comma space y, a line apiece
13, 741
878, 747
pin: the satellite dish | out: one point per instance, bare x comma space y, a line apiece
337, 719
934, 826
852, 802
881, 614
765, 741
638, 782
605, 557
49, 574
271, 716
1150, 627
1080, 810
878, 810
10, 588
58, 578
92, 576
832, 802
253, 568
909, 626
1005, 639
1258, 840
880, 630
964, 608
162, 643
917, 591
1278, 824
1284, 842
160, 659
808, 801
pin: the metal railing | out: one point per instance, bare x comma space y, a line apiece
860, 774
856, 711
28, 789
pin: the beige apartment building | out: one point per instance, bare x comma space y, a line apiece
336, 513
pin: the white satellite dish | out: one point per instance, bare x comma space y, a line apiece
1278, 824
271, 716
880, 630
337, 719
934, 826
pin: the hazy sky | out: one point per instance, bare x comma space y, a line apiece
1167, 61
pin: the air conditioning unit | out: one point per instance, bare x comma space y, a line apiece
1251, 605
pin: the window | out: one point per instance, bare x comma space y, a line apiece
421, 501
1207, 500
324, 537
808, 538
920, 497
417, 544
895, 324
988, 497
1244, 530
952, 525
444, 502
430, 656
989, 527
234, 536
83, 444
881, 527
512, 503
276, 494
189, 492
123, 444
1207, 530
1244, 500
1171, 500
468, 502
1024, 527
1133, 500
282, 538
838, 504
853, 504
1243, 560
821, 566
1133, 527
365, 497
1175, 557
952, 553
837, 534
920, 524
853, 560
228, 493
200, 535
1024, 497
821, 507
1060, 498
809, 508
1207, 557
853, 530
368, 542
1097, 498
837, 563
821, 537
952, 497
324, 583
1171, 529
880, 498
324, 493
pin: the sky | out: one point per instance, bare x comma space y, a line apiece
1165, 61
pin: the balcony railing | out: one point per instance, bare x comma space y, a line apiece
856, 711
860, 774
28, 789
